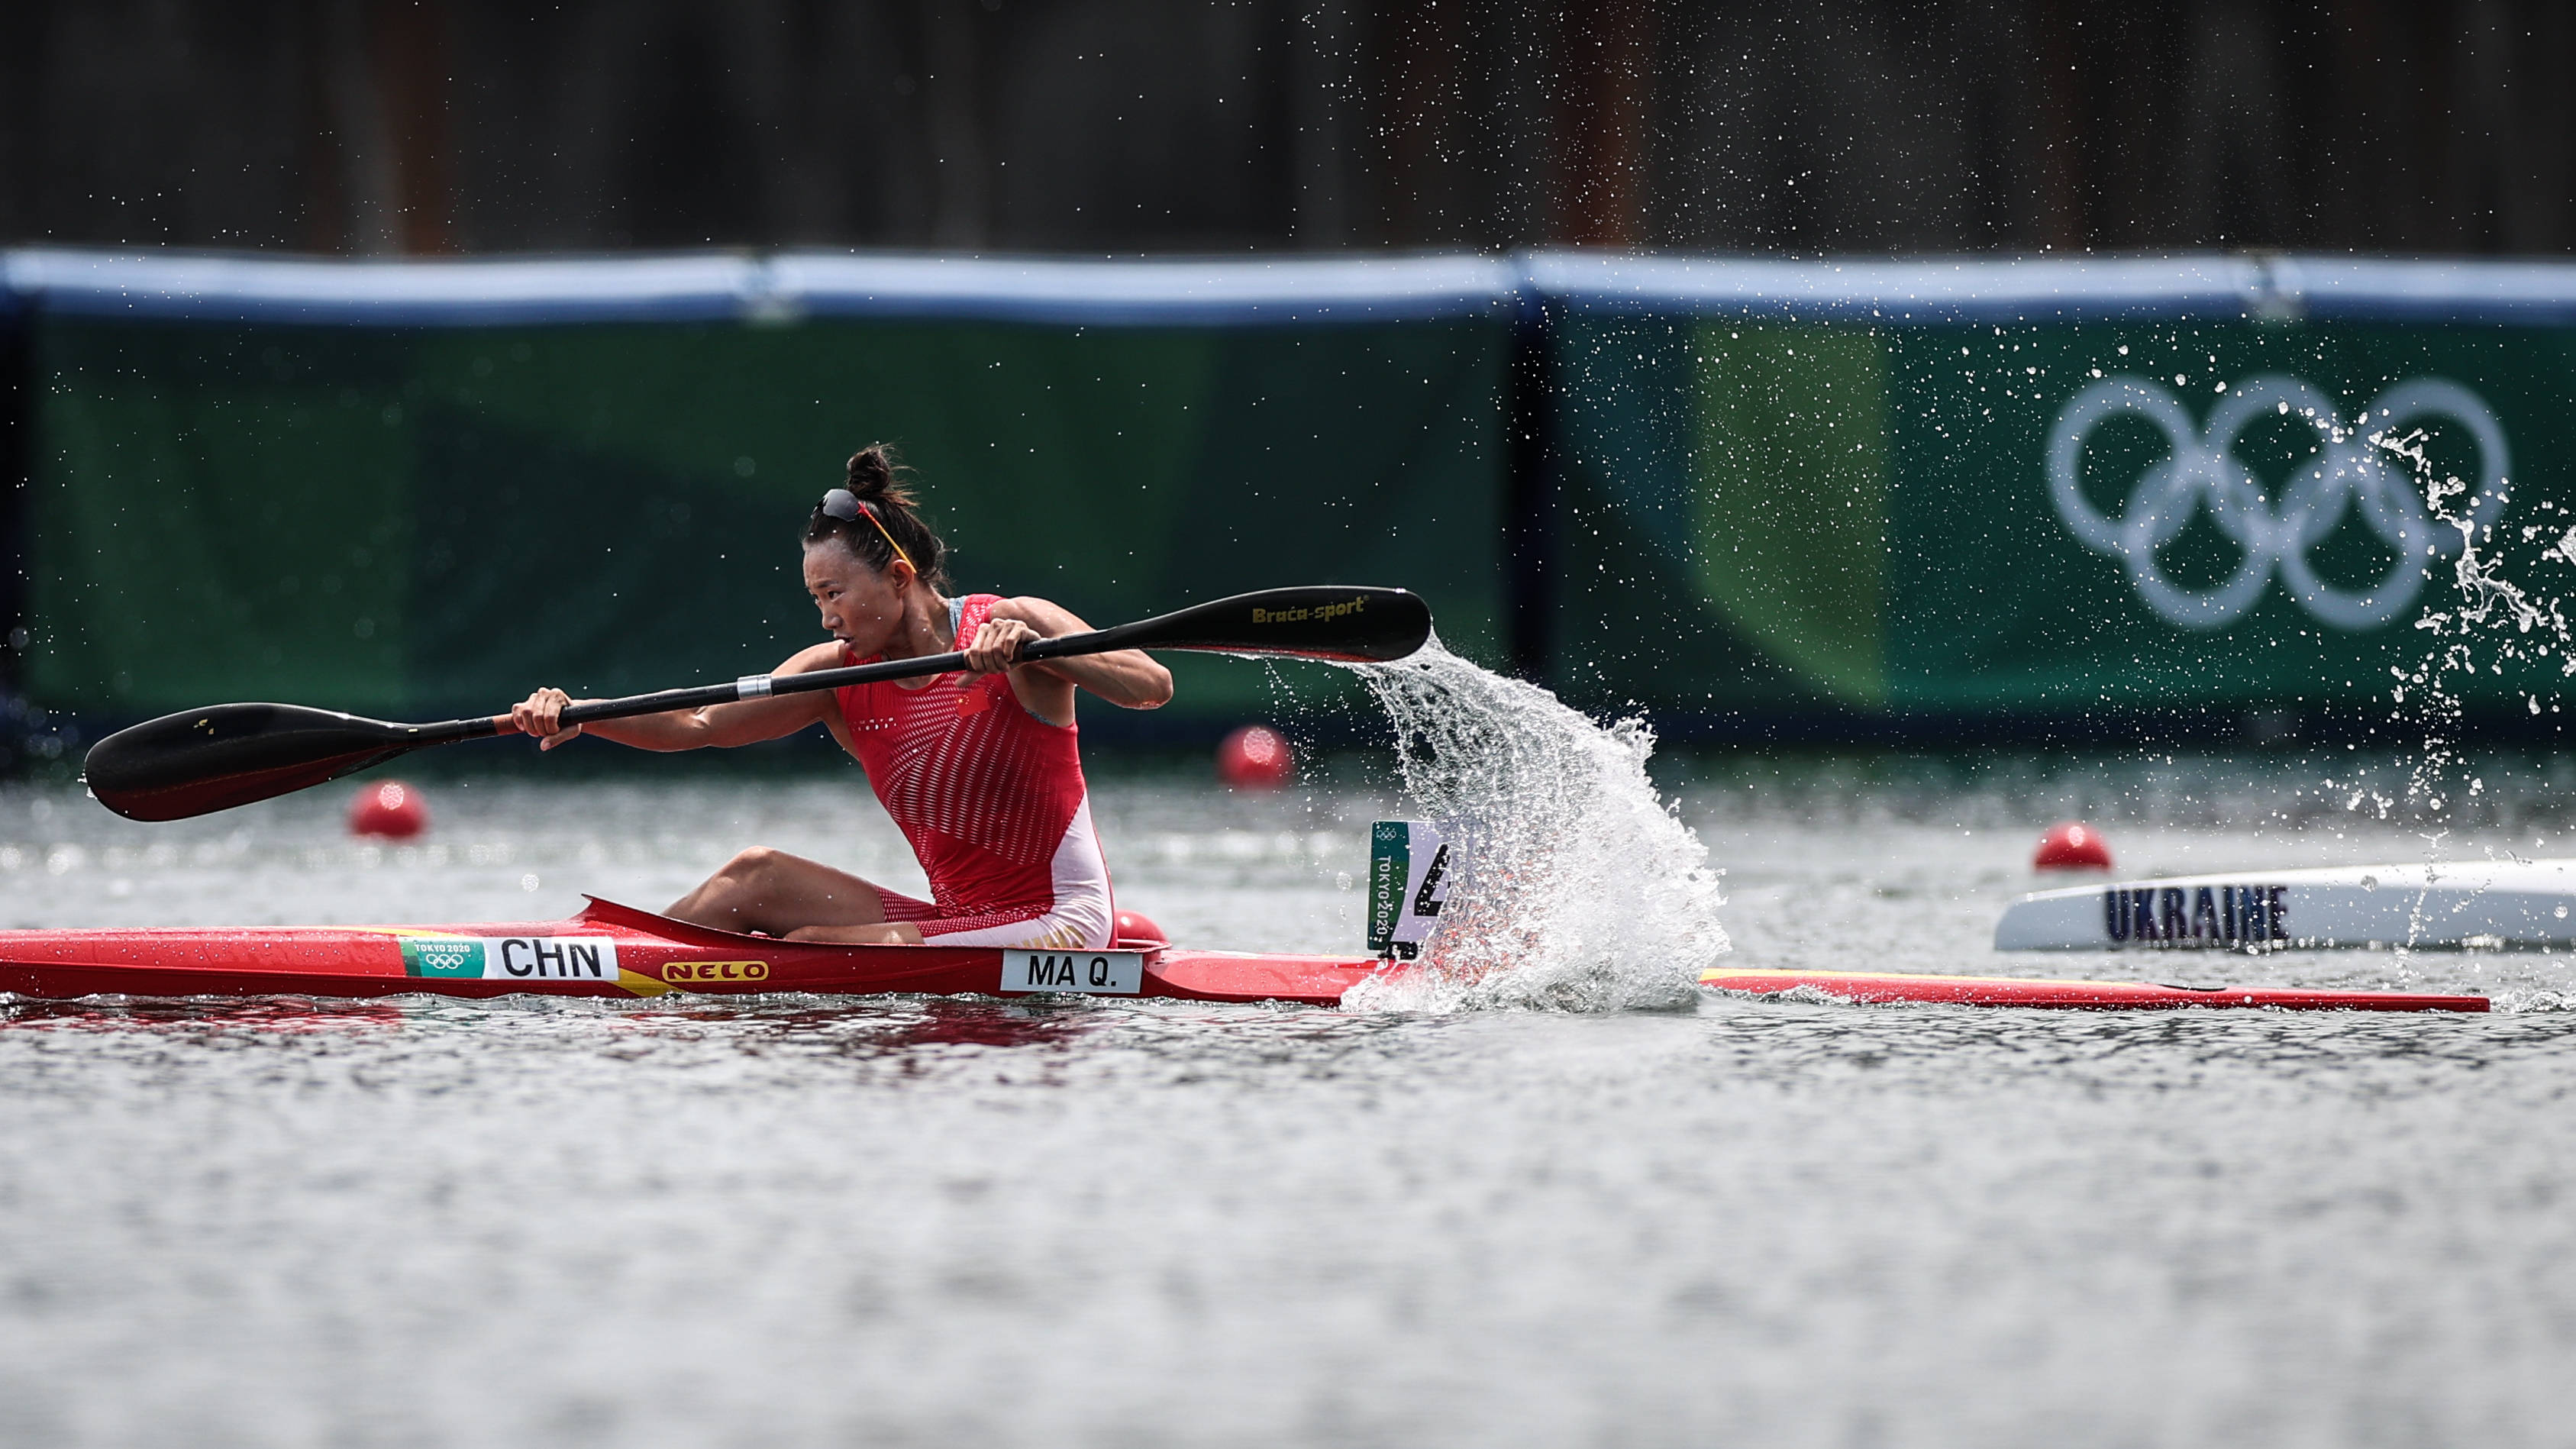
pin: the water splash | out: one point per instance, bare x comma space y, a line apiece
2495, 624
2530, 1000
1585, 892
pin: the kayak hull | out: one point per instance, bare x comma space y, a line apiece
607, 950
615, 951
1891, 988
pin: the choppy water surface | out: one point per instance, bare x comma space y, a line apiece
965, 1222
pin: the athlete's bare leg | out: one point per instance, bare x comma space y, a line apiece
778, 894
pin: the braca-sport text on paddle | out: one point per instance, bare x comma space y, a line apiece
203, 760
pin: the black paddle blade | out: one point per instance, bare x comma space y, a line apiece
1352, 624
204, 760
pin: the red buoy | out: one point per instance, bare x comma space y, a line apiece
1255, 757
389, 808
1135, 928
2072, 845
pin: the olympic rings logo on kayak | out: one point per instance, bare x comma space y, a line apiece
2201, 471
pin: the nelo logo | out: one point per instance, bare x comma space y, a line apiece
691, 972
2351, 469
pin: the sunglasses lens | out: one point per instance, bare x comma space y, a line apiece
843, 504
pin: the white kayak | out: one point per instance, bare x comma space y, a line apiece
2485, 903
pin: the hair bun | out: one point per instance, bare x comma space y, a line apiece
872, 474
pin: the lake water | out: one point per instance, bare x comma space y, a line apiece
967, 1222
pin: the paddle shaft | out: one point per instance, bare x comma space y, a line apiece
1145, 633
761, 686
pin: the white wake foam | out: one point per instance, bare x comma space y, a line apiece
1584, 891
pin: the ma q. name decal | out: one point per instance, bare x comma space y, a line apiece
1090, 973
2355, 471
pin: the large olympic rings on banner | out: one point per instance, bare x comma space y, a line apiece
2201, 471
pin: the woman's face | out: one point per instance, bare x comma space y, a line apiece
860, 607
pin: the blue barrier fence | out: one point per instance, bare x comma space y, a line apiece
1752, 496
770, 289
1280, 291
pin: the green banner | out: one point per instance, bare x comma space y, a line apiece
435, 519
2044, 519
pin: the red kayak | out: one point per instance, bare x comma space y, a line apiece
617, 951
1883, 987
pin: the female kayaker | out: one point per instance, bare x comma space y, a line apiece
981, 770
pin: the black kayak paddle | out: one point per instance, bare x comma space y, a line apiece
203, 760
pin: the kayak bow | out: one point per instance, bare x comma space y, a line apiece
1880, 988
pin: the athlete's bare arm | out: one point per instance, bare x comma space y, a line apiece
716, 726
1128, 678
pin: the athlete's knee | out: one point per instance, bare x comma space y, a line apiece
756, 863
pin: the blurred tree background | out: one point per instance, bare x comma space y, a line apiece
371, 127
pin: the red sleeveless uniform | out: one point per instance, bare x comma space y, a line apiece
992, 799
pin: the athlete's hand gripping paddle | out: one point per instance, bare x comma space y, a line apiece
203, 760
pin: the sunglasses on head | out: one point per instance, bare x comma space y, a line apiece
843, 504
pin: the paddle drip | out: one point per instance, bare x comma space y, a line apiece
1584, 892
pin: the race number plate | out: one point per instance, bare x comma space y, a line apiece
1412, 866
1094, 973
